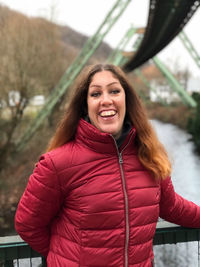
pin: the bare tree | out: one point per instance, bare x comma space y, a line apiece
182, 74
31, 63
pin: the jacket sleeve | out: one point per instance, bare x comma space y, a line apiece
41, 201
176, 209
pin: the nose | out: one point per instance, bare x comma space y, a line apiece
106, 99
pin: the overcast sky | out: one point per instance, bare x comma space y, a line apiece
85, 16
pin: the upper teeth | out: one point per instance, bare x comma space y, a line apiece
108, 113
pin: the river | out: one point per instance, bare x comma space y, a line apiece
186, 180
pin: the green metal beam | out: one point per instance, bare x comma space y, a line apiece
74, 69
189, 46
116, 56
176, 86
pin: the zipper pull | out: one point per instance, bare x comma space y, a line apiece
120, 158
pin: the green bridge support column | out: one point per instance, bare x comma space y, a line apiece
189, 46
176, 86
116, 57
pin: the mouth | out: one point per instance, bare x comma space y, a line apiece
107, 113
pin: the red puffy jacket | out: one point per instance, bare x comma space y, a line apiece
88, 204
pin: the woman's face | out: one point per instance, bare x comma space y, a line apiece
106, 103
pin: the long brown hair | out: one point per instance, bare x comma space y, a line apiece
150, 151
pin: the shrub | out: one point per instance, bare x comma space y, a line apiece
193, 125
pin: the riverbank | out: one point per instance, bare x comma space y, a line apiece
177, 114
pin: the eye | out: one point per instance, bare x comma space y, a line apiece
115, 91
95, 94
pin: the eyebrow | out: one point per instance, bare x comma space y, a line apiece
96, 85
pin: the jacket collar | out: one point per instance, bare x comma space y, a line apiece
90, 136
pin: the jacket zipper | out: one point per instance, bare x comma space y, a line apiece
126, 209
125, 197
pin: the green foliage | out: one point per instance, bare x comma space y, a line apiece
193, 126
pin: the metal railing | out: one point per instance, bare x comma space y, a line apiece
13, 249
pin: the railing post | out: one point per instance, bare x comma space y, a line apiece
8, 263
44, 262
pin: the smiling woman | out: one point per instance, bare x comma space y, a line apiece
150, 151
95, 197
106, 103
